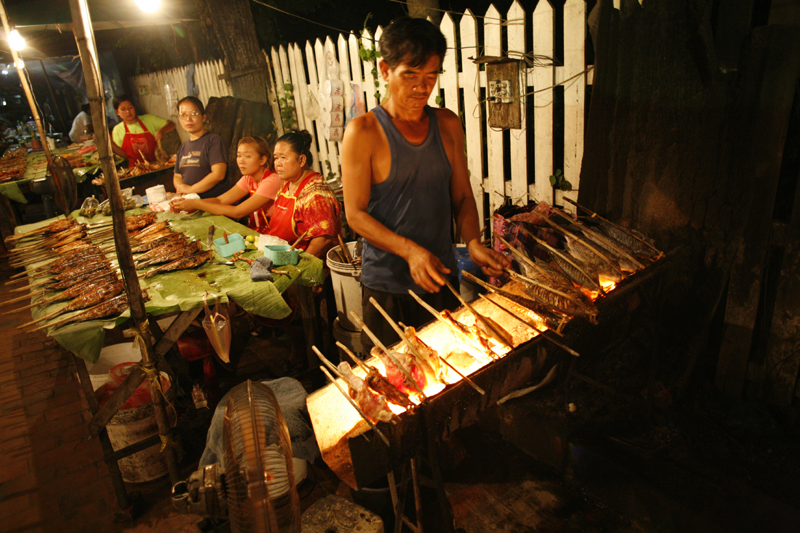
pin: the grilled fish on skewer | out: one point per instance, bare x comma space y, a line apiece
378, 383
149, 230
94, 296
487, 325
76, 260
631, 238
67, 283
48, 248
172, 242
53, 227
623, 254
479, 339
371, 403
113, 307
135, 222
78, 272
586, 254
54, 253
556, 299
578, 272
52, 240
170, 254
182, 264
71, 292
429, 354
552, 319
166, 239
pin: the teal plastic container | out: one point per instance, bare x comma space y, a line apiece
281, 254
235, 244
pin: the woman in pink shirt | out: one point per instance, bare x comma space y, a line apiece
254, 158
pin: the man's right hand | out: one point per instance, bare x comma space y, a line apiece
426, 269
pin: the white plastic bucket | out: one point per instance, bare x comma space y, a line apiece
111, 356
346, 280
351, 339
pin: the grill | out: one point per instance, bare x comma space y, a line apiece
351, 448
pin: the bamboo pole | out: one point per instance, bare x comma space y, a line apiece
26, 87
84, 36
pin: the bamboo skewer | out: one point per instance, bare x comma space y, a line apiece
24, 297
414, 349
529, 281
345, 251
505, 294
564, 257
347, 396
393, 359
607, 241
622, 229
475, 346
300, 238
534, 328
366, 368
591, 246
487, 324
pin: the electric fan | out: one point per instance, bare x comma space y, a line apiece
256, 491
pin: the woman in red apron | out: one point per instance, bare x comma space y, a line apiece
254, 159
305, 205
136, 137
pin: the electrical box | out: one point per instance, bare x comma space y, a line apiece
505, 91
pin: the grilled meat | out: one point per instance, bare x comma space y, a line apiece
136, 222
396, 376
113, 307
373, 405
142, 235
479, 340
93, 296
583, 275
631, 239
87, 275
166, 239
182, 264
583, 252
624, 256
430, 355
169, 253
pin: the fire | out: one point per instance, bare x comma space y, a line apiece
607, 284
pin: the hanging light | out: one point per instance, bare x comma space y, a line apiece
148, 6
20, 64
4, 72
15, 40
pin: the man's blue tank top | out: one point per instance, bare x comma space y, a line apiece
414, 202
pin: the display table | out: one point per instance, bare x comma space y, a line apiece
182, 291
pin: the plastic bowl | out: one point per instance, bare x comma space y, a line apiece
281, 254
235, 244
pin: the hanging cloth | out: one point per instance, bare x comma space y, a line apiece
136, 144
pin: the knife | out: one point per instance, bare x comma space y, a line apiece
210, 238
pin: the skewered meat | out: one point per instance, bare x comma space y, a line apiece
584, 253
430, 355
396, 376
109, 308
168, 253
373, 405
143, 235
136, 222
51, 240
93, 296
506, 337
182, 264
78, 289
381, 385
166, 239
70, 259
480, 340
583, 275
86, 275
54, 227
629, 240
623, 255
567, 303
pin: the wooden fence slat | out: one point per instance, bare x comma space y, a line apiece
468, 29
519, 138
299, 86
448, 79
494, 138
355, 65
544, 24
272, 95
333, 146
574, 91
369, 79
315, 60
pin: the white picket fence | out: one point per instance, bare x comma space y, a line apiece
158, 93
301, 67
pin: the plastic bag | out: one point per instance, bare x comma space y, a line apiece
218, 328
89, 207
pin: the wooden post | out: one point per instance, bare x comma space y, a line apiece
84, 36
26, 87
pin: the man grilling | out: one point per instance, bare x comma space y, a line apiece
405, 176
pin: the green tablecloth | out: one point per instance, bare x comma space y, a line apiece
37, 168
183, 290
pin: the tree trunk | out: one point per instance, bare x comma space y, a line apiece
236, 34
424, 9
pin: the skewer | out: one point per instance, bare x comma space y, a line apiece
24, 297
300, 238
608, 242
534, 328
488, 325
505, 294
452, 327
392, 358
366, 368
347, 396
622, 229
345, 251
414, 349
594, 250
564, 257
529, 281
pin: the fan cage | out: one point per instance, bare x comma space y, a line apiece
262, 496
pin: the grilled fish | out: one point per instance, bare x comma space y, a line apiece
87, 275
93, 296
624, 255
373, 405
182, 264
136, 222
589, 257
169, 253
140, 236
630, 240
166, 239
430, 355
113, 307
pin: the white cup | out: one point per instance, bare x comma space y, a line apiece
337, 118
336, 103
156, 195
336, 134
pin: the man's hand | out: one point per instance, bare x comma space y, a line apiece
183, 189
426, 269
491, 262
182, 204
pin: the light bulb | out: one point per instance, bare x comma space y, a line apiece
148, 6
4, 72
20, 64
15, 40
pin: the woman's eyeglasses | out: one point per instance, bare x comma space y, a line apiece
186, 115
